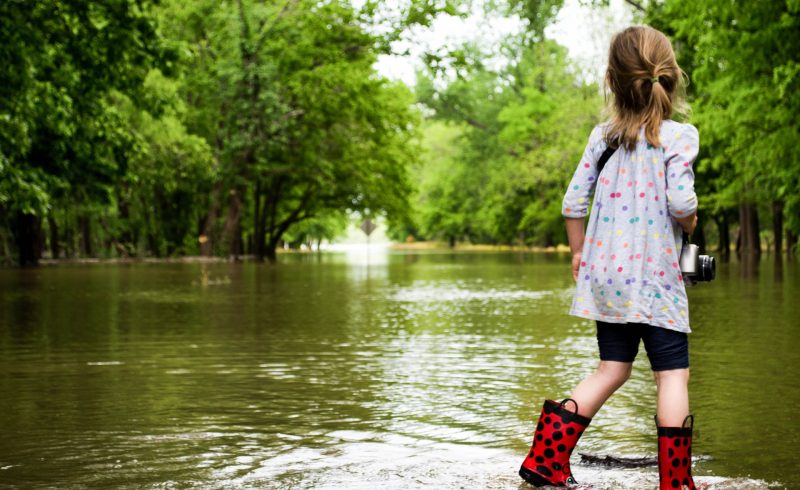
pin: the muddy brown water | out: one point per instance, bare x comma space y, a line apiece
411, 370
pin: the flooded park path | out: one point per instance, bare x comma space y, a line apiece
419, 370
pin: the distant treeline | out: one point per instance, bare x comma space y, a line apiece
137, 128
502, 145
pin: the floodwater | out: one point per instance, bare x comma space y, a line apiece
397, 370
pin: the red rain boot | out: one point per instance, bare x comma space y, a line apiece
556, 435
675, 456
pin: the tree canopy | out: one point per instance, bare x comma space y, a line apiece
233, 127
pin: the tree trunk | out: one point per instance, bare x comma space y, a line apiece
791, 242
777, 226
548, 239
69, 234
26, 233
749, 242
126, 240
86, 236
723, 228
55, 251
207, 231
271, 253
699, 238
232, 223
267, 217
260, 218
152, 244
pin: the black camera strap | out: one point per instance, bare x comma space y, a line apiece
604, 158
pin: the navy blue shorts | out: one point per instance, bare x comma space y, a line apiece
666, 349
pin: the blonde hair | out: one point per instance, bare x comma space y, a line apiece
646, 83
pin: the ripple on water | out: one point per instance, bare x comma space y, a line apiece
424, 291
427, 376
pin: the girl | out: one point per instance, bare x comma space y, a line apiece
626, 265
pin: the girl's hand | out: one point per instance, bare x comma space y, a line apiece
688, 223
694, 225
576, 265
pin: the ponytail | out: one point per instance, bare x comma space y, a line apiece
646, 83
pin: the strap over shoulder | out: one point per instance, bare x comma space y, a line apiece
604, 158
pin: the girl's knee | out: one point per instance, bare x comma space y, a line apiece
618, 372
676, 375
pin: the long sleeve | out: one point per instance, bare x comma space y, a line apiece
680, 157
576, 200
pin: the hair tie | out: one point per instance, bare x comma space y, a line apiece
654, 80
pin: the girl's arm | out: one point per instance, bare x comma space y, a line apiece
575, 205
575, 235
680, 157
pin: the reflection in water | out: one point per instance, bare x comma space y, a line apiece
335, 372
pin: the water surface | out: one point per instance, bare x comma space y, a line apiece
411, 370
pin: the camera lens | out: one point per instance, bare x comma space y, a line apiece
708, 268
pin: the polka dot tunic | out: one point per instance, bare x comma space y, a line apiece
629, 268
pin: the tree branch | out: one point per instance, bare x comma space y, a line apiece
262, 35
636, 5
292, 218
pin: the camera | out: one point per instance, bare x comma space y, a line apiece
696, 267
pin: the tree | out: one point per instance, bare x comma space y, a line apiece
302, 124
60, 139
524, 127
743, 58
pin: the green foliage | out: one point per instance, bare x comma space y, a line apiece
145, 128
133, 127
314, 230
521, 132
302, 125
61, 59
743, 59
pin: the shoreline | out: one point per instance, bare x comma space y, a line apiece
199, 259
421, 246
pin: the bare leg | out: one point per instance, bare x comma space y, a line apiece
594, 390
672, 406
